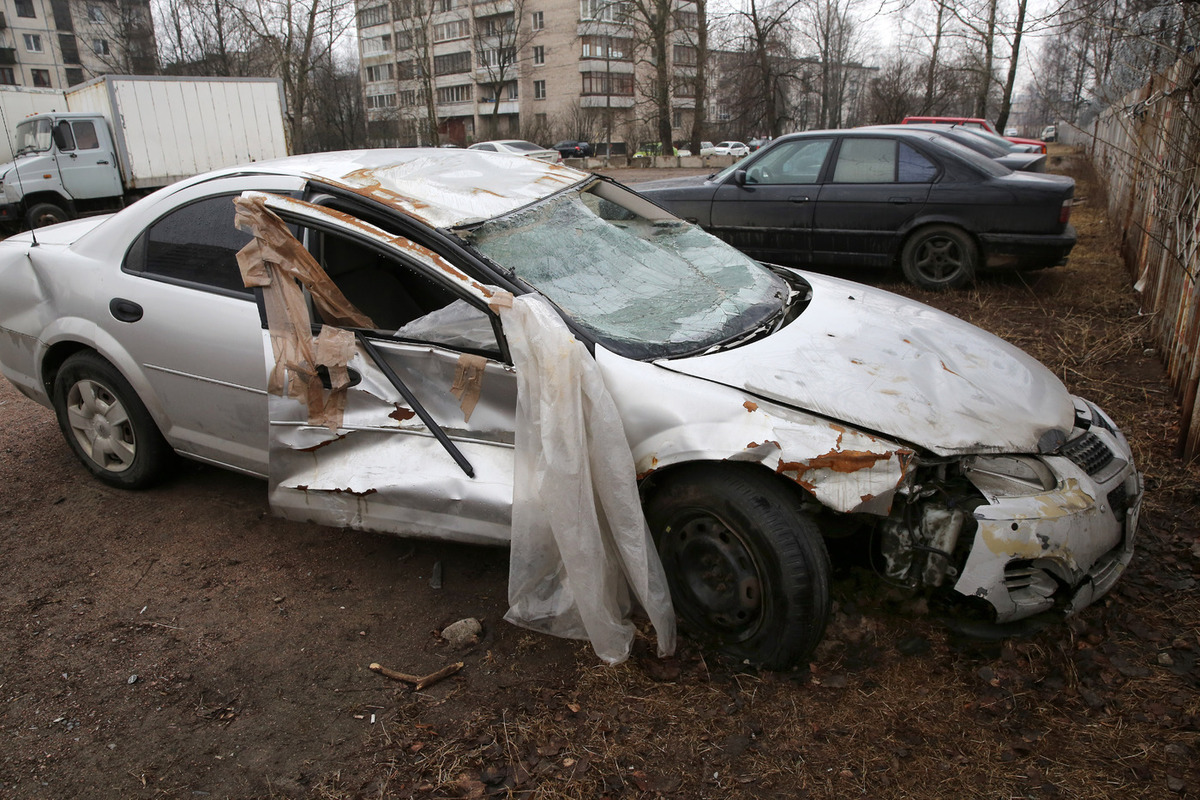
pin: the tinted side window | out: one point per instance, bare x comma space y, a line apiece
791, 162
85, 135
866, 161
197, 244
914, 167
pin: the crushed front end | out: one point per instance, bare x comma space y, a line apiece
1025, 533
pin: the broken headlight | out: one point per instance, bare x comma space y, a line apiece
1009, 475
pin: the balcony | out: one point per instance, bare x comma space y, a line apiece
8, 56
600, 101
486, 107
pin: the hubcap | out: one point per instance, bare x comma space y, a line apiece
939, 258
101, 426
718, 582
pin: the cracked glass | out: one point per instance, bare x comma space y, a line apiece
641, 282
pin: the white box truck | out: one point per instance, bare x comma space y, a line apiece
17, 103
123, 136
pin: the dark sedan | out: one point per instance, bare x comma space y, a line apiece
1016, 157
573, 149
880, 198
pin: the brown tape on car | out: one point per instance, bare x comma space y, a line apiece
278, 264
468, 382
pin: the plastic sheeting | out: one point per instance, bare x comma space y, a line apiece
581, 549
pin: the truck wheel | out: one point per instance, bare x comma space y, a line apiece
43, 214
747, 567
939, 257
106, 424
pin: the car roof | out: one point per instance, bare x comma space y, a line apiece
443, 188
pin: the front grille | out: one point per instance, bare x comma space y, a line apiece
1088, 453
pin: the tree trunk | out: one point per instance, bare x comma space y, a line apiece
1006, 101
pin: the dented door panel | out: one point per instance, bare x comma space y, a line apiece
382, 469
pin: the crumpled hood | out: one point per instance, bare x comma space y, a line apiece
900, 368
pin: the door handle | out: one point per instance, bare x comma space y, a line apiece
899, 201
323, 374
798, 199
98, 162
124, 310
73, 155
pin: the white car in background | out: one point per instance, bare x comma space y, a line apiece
738, 149
519, 147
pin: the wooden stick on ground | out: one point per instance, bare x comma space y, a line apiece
419, 681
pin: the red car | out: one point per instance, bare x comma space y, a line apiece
973, 122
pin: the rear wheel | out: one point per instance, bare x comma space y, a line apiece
747, 567
43, 214
939, 257
106, 424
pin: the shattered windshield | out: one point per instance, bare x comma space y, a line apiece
643, 283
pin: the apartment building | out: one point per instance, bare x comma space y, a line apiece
460, 71
54, 44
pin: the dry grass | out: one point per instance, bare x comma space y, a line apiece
894, 706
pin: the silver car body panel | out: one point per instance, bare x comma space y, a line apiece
885, 363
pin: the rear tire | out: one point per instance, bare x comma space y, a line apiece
747, 567
939, 257
106, 424
43, 214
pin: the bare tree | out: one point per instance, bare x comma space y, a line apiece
766, 32
120, 36
501, 41
835, 38
415, 71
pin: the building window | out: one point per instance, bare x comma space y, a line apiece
41, 77
686, 20
381, 72
684, 56
496, 26
410, 69
539, 54
677, 119
498, 58
8, 76
684, 88
512, 91
445, 5
69, 48
375, 15
381, 101
74, 75
100, 47
406, 98
25, 8
604, 10
455, 29
33, 42
539, 90
452, 63
449, 95
538, 19
95, 14
607, 84
608, 48
377, 44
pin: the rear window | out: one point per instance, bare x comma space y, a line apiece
976, 160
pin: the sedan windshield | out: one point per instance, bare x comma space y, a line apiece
641, 282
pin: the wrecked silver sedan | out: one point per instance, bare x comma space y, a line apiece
349, 340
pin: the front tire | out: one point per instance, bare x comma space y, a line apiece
939, 257
43, 214
106, 425
747, 567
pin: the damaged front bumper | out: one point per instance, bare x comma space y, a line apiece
1065, 546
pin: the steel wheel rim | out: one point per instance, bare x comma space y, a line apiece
939, 258
101, 426
719, 586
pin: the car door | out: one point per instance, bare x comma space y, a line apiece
180, 310
421, 440
876, 186
768, 214
86, 159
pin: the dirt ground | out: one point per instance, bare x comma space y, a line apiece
183, 643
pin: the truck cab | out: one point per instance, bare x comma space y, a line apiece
64, 165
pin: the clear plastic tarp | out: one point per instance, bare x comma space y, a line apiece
581, 549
